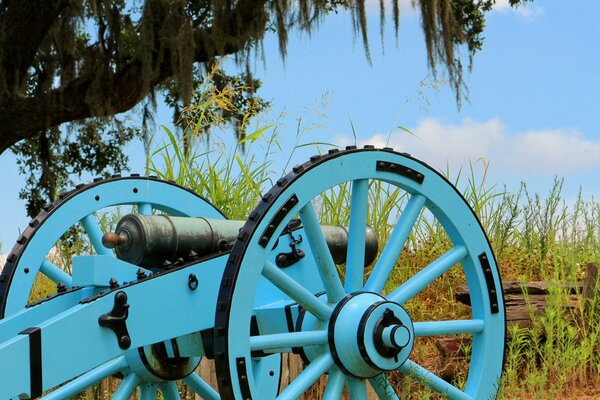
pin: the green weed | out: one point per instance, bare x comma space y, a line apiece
536, 238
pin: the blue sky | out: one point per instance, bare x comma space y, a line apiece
533, 108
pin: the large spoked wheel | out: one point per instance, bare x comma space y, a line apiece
32, 252
361, 329
31, 258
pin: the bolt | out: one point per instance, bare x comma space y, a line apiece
192, 282
125, 342
282, 260
140, 274
60, 287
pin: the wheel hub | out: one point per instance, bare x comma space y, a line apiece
368, 335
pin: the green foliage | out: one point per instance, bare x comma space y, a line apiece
222, 98
97, 58
52, 160
536, 238
89, 60
232, 181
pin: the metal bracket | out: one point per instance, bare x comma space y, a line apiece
284, 260
388, 319
400, 170
489, 282
115, 320
279, 216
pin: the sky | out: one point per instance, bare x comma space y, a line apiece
532, 109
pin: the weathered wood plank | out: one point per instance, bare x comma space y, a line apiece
524, 302
518, 288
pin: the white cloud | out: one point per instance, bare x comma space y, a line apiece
543, 152
407, 7
525, 10
502, 5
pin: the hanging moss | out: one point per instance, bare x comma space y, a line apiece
95, 58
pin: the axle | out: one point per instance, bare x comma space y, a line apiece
152, 240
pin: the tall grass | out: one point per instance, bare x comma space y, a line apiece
536, 237
230, 179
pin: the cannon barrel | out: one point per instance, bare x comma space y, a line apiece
151, 240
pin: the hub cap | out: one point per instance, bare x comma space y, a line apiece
368, 335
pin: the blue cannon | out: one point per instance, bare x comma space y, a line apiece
177, 282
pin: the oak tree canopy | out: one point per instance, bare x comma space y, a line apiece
84, 61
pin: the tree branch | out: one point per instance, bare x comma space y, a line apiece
23, 26
122, 90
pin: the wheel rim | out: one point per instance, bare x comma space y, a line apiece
249, 263
29, 257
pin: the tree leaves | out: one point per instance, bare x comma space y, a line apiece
53, 158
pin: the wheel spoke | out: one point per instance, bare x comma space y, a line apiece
148, 391
423, 278
324, 260
306, 378
296, 291
432, 381
170, 391
335, 384
56, 274
389, 256
355, 256
357, 388
126, 387
452, 327
383, 388
94, 232
294, 339
145, 208
201, 387
88, 379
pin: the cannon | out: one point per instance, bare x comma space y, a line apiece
152, 241
176, 282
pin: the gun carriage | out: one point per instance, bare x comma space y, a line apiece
177, 281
